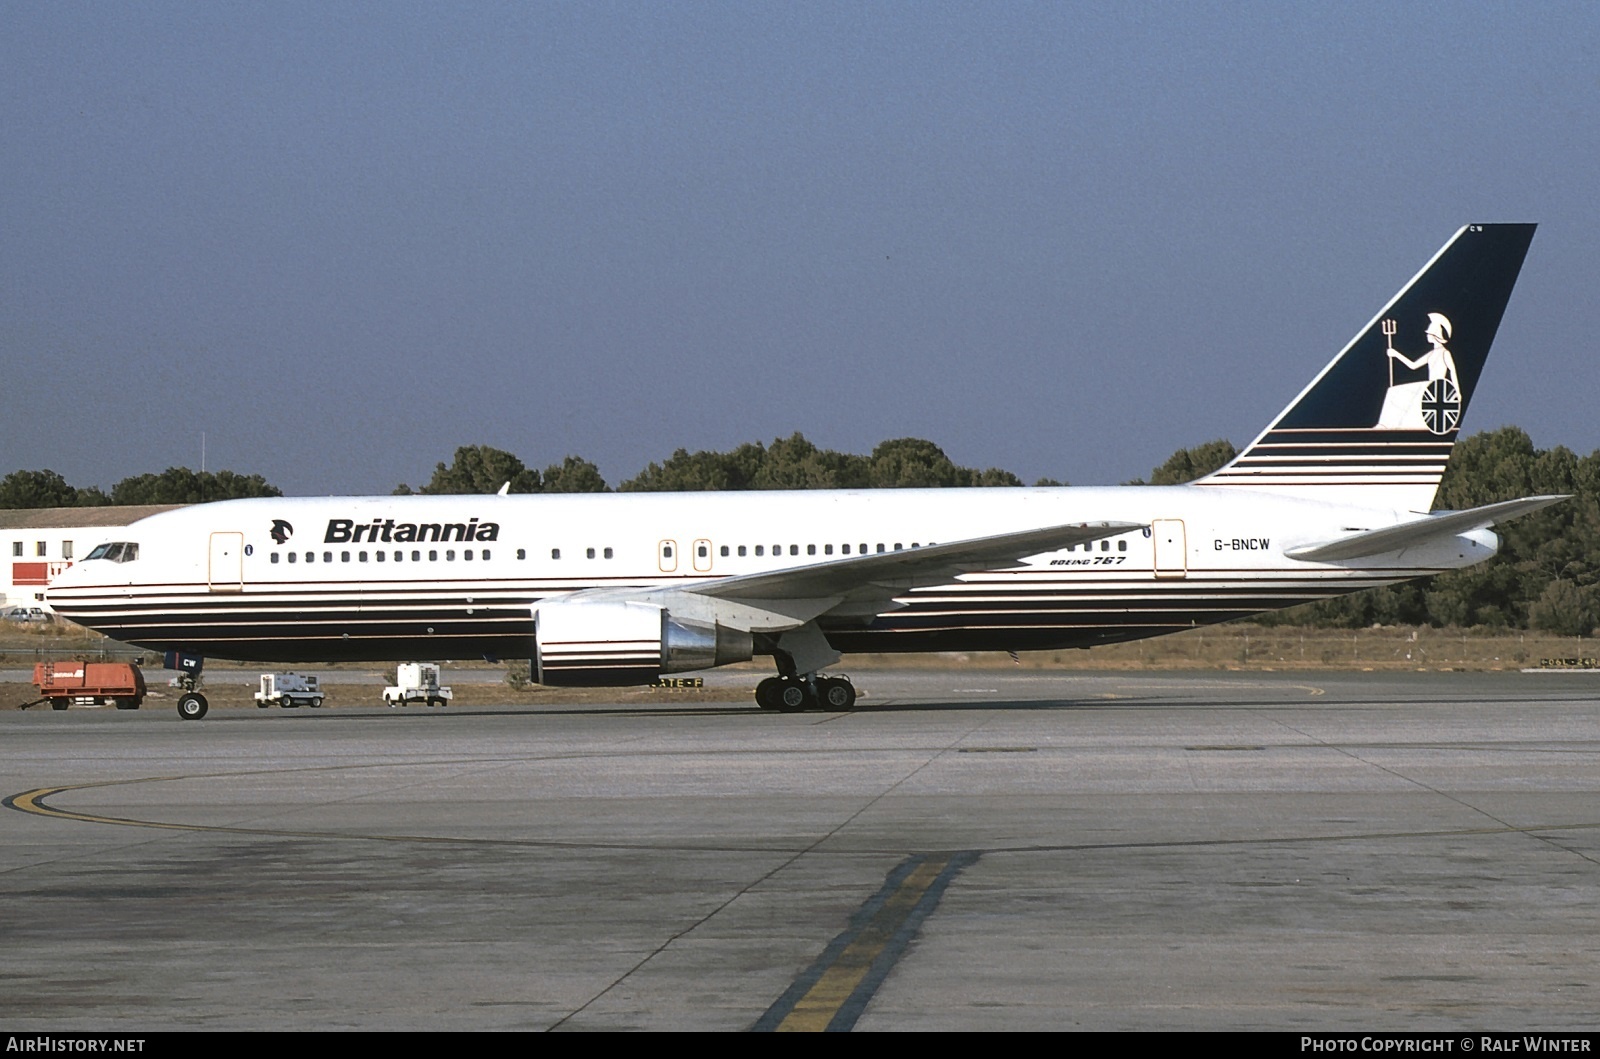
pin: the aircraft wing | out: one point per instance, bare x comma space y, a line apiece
860, 585
909, 567
1427, 528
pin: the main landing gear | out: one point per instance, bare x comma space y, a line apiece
801, 653
797, 694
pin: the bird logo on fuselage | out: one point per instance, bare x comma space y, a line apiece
281, 531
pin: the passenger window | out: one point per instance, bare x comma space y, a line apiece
291, 556
880, 547
344, 557
399, 557
555, 553
380, 556
416, 557
761, 549
433, 555
811, 549
361, 556
666, 551
327, 557
274, 556
827, 549
449, 555
522, 553
485, 555
794, 549
702, 551
589, 552
311, 557
1105, 546
741, 551
607, 553
898, 546
724, 551
846, 549
865, 549
1122, 546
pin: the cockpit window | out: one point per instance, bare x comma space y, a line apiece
116, 551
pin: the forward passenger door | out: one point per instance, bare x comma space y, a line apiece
225, 565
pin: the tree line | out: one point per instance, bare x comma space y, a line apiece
1547, 575
175, 485
787, 463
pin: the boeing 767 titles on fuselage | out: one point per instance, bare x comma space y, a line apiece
617, 589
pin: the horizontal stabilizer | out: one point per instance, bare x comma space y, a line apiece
1433, 527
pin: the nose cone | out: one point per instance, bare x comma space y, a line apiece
67, 589
65, 579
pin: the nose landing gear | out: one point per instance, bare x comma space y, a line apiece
191, 704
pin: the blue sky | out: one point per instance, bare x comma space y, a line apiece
340, 240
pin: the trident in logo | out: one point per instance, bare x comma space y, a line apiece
1390, 328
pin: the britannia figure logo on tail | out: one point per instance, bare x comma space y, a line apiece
1432, 404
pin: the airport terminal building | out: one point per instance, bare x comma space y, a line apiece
41, 542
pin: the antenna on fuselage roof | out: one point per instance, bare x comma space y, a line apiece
504, 489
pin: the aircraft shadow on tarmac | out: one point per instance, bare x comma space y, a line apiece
861, 708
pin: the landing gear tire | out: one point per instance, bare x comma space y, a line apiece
836, 693
767, 693
795, 697
191, 706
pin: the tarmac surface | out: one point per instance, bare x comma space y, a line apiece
966, 850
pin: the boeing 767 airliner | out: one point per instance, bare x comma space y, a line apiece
615, 589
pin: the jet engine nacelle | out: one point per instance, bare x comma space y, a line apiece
618, 644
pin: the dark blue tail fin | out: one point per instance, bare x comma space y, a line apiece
1376, 427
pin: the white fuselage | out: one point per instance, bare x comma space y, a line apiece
395, 578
